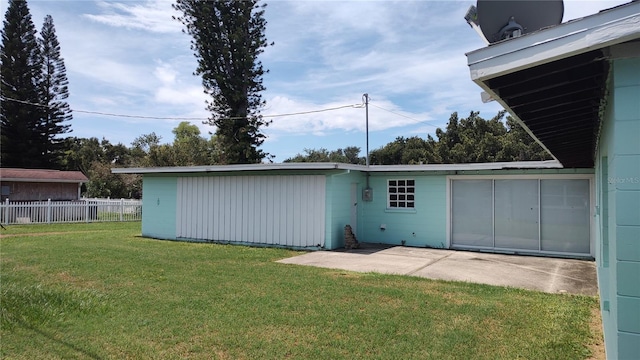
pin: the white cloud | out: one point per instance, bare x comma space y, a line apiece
383, 115
154, 16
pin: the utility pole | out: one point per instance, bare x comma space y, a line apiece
366, 107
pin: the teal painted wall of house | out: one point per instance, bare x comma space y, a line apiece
618, 215
339, 204
159, 206
423, 226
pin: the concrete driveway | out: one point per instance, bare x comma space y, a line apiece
552, 275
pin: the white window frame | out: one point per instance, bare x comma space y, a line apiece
401, 194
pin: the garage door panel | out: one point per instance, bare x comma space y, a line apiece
533, 215
471, 219
277, 210
565, 215
516, 214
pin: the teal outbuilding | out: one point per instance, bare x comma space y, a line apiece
515, 207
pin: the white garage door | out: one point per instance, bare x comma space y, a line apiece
274, 210
528, 215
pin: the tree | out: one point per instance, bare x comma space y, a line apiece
348, 155
228, 36
519, 145
103, 183
413, 150
472, 139
464, 140
54, 91
81, 153
189, 147
20, 70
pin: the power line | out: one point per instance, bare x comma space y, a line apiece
404, 116
355, 106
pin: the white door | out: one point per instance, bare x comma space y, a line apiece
354, 209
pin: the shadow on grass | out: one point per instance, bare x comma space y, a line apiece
85, 352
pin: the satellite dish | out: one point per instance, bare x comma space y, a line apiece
501, 20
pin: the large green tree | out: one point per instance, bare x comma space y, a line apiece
20, 69
411, 150
348, 155
190, 148
54, 92
228, 36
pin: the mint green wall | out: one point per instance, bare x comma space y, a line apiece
338, 206
159, 206
424, 226
618, 215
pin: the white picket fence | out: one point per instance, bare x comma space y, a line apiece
84, 210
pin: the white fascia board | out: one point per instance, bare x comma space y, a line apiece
236, 168
548, 164
609, 27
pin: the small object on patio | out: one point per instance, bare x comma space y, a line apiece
350, 241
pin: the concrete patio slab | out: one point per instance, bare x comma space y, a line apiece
551, 275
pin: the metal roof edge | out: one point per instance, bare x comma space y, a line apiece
606, 28
239, 167
548, 164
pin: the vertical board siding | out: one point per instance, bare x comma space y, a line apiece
287, 210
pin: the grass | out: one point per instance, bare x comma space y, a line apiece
99, 291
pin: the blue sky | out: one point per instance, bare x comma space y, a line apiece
130, 57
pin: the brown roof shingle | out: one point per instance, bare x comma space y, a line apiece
41, 175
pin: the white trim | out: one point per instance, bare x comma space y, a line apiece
523, 176
238, 167
548, 164
606, 28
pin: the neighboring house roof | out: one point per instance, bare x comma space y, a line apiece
554, 80
42, 175
549, 164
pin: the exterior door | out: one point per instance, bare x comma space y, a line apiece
354, 208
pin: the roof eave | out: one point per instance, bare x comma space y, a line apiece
604, 29
239, 167
549, 164
4, 179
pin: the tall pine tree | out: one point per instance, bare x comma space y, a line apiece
54, 91
21, 70
228, 36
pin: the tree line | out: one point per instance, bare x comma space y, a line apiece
95, 158
464, 140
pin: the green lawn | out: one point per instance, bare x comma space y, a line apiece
99, 291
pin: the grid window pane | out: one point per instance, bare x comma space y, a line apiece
401, 193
